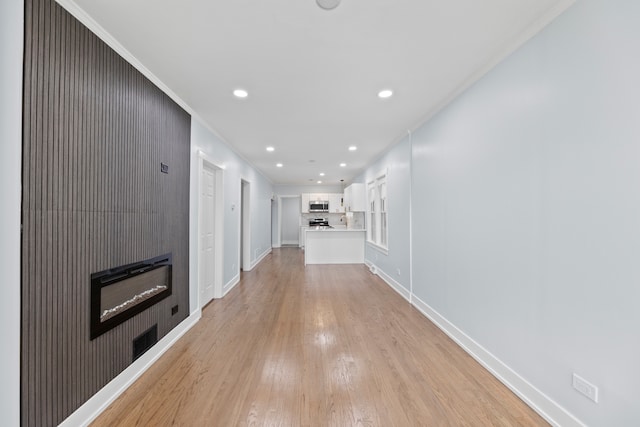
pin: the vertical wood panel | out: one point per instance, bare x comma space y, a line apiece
95, 132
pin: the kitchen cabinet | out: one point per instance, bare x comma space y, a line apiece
303, 235
347, 198
354, 198
334, 246
318, 197
305, 198
335, 203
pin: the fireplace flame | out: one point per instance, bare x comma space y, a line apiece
109, 313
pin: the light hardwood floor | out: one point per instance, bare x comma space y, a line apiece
315, 346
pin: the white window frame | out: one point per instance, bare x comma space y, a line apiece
377, 212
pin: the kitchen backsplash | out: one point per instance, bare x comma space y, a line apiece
357, 221
336, 219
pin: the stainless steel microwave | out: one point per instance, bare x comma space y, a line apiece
319, 206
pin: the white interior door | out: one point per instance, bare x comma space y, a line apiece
207, 236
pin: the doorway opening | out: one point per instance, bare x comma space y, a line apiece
289, 219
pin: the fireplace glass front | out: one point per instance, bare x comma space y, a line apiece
122, 292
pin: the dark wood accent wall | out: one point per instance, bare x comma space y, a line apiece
94, 197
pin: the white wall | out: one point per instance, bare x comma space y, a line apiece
11, 42
526, 210
395, 264
235, 169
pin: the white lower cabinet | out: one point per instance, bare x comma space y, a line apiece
334, 247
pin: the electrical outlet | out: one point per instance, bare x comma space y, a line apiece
585, 387
398, 272
174, 309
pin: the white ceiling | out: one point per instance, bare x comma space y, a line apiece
313, 75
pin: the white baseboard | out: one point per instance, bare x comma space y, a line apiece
401, 290
370, 266
290, 242
541, 403
230, 284
261, 257
255, 262
100, 401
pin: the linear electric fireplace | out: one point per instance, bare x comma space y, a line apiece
122, 292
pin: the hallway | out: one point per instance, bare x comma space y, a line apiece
315, 346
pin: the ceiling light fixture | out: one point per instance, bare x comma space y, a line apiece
270, 149
279, 165
319, 182
240, 93
342, 165
353, 148
321, 173
328, 4
386, 93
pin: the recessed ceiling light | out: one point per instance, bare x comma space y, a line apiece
279, 165
319, 182
240, 93
270, 149
353, 148
321, 173
328, 4
343, 165
386, 93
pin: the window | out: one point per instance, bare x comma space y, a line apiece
377, 212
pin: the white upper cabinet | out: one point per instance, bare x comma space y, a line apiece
305, 198
335, 203
354, 198
319, 197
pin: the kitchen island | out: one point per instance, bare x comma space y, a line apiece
334, 246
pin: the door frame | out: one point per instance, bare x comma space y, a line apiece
244, 231
206, 162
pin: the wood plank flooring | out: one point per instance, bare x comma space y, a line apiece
315, 346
